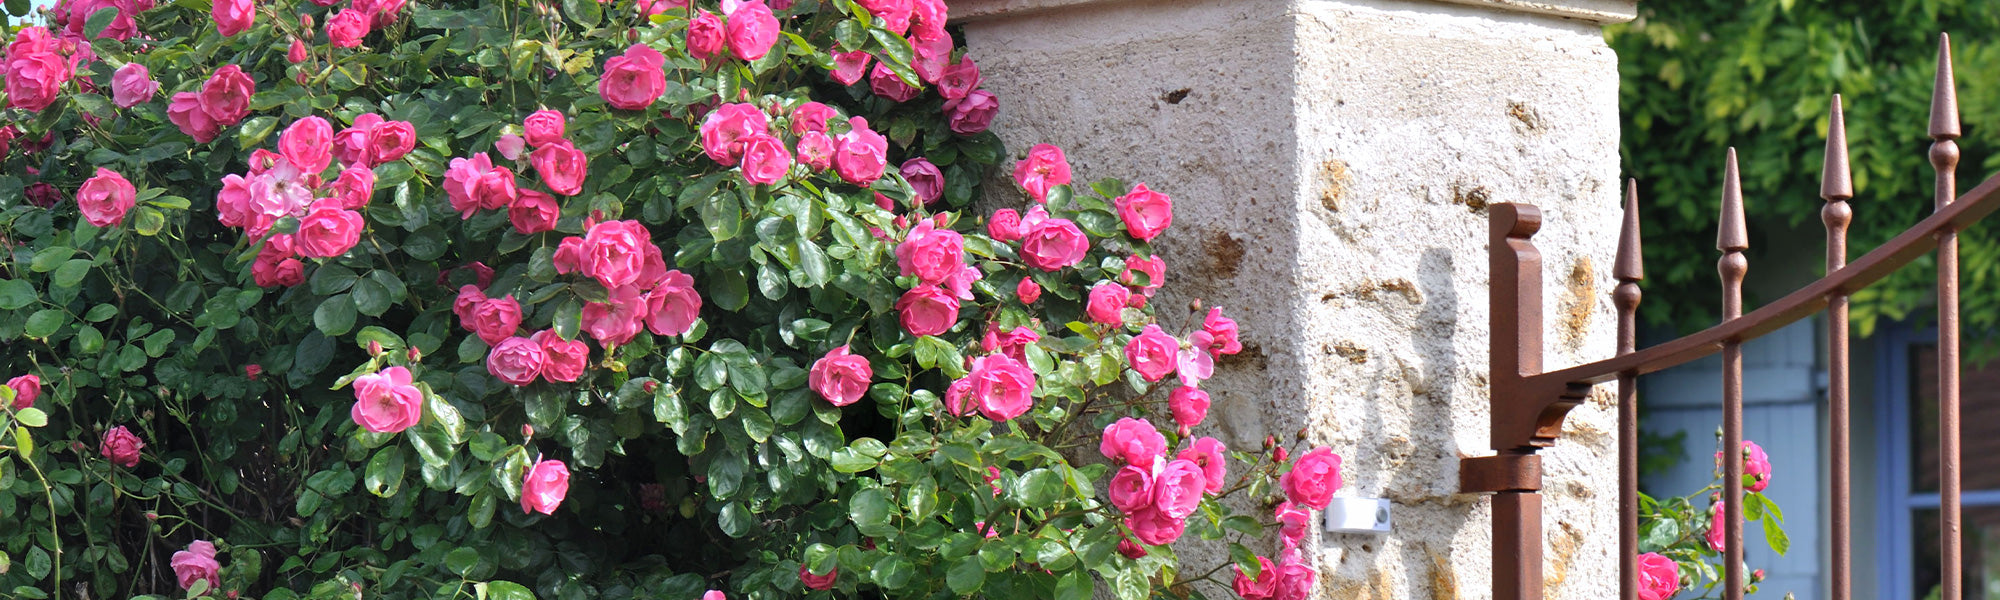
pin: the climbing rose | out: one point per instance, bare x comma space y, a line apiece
1131, 490
765, 160
34, 79
516, 360
474, 183
231, 18
1107, 303
1224, 331
1151, 353
327, 231
615, 322
933, 54
386, 402
533, 212
931, 254
298, 52
894, 14
751, 30
860, 155
704, 35
819, 582
886, 84
1293, 523
121, 447
840, 377
390, 140
26, 389
959, 79
1045, 168
352, 146
1154, 268
197, 562
1756, 467
1146, 213
673, 306
1028, 290
1210, 454
1177, 490
274, 265
714, 595
614, 252
1003, 387
346, 28
1005, 225
1131, 550
1189, 405
849, 67
1715, 536
925, 179
1659, 577
132, 85
815, 151
105, 198
927, 310
1155, 527
544, 486
565, 359
1313, 480
1261, 588
307, 144
632, 81
353, 187
561, 166
542, 128
1051, 244
494, 319
510, 146
972, 114
725, 130
811, 117
1295, 579
1134, 441
226, 95
185, 112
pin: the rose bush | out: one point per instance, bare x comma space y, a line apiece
332, 286
1681, 544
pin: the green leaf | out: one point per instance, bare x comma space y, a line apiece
735, 520
508, 590
1774, 535
1039, 488
872, 512
335, 316
432, 444
49, 258
331, 279
584, 12
893, 572
148, 221
1075, 585
71, 272
254, 131
94, 27
32, 417
16, 293
965, 576
370, 298
43, 323
722, 214
461, 560
384, 475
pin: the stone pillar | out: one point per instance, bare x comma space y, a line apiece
1331, 163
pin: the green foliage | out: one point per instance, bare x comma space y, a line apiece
1699, 76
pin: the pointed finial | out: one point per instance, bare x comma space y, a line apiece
1835, 183
1630, 266
1944, 96
1733, 235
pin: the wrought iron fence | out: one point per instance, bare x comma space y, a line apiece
1529, 403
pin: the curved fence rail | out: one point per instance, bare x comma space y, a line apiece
1529, 404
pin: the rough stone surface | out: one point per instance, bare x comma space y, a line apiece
1331, 163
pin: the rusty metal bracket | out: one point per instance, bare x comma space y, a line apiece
1500, 473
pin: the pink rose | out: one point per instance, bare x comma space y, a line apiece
1756, 467
959, 79
933, 54
1107, 303
1263, 586
1028, 291
298, 52
34, 79
564, 359
927, 310
561, 166
43, 195
122, 26
105, 198
1223, 330
186, 113
894, 14
927, 17
1716, 535
704, 35
1293, 523
544, 486
816, 151
231, 18
27, 388
840, 377
673, 306
1131, 490
765, 160
714, 595
849, 67
198, 561
132, 85
493, 319
352, 145
386, 11
1151, 353
1131, 550
960, 282
1051, 244
1177, 490
386, 402
751, 30
632, 81
1313, 479
307, 144
956, 395
972, 114
1003, 387
467, 184
1295, 579
1659, 577
615, 322
346, 28
925, 179
1154, 268
1134, 441
1045, 168
1195, 364
516, 360
351, 190
533, 212
1005, 225
543, 127
327, 231
1189, 405
510, 146
818, 582
886, 84
726, 128
614, 252
274, 265
1211, 456
1155, 527
931, 254
861, 154
121, 447
390, 140
811, 117
226, 95
1146, 213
